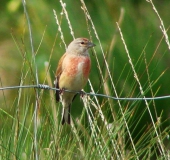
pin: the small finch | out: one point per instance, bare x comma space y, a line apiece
72, 73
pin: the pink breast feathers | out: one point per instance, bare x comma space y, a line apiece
78, 64
86, 67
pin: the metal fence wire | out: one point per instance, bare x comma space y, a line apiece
47, 87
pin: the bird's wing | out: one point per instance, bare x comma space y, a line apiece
58, 73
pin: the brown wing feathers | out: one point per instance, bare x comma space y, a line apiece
58, 73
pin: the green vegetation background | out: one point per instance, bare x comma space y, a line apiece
140, 27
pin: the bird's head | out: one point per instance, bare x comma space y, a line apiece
79, 46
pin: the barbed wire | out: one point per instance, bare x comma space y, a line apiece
43, 86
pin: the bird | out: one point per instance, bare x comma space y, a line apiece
72, 74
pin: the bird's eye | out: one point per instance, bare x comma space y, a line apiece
82, 42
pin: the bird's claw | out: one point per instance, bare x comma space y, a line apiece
82, 93
61, 91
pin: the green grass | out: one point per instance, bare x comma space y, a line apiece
128, 61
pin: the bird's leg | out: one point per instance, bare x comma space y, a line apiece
61, 91
82, 93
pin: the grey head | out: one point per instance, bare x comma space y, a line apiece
79, 46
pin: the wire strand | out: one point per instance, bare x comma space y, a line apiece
42, 86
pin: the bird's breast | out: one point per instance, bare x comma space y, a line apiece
78, 66
75, 73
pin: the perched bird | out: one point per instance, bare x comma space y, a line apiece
72, 73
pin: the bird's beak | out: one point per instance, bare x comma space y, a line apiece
90, 44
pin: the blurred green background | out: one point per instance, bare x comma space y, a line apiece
140, 27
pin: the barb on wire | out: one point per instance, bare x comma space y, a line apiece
42, 86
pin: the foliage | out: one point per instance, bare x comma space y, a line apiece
131, 59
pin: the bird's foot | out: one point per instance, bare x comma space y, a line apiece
82, 93
61, 91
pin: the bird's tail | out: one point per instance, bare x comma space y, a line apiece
66, 115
